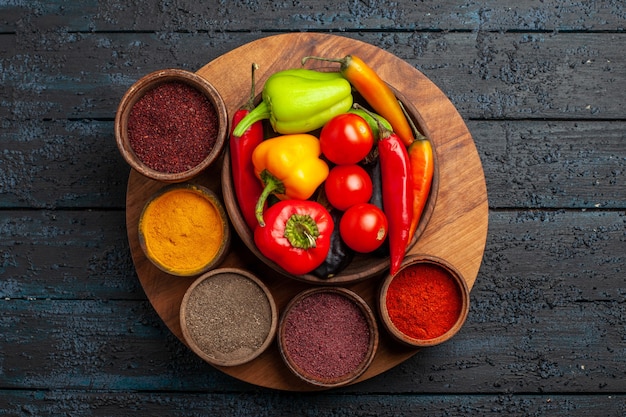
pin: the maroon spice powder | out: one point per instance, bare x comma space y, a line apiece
173, 127
326, 335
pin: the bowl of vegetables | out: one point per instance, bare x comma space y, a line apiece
322, 181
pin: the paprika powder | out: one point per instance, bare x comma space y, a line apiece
424, 301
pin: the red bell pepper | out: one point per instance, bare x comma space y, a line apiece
296, 235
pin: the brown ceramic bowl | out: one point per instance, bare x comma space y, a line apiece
327, 336
211, 204
145, 85
228, 317
422, 330
361, 266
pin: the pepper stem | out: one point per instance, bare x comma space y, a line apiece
343, 61
250, 104
416, 132
272, 185
260, 112
301, 231
383, 132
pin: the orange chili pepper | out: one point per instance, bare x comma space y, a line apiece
422, 167
375, 91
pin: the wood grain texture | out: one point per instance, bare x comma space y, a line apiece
530, 353
407, 15
486, 75
527, 163
49, 404
456, 231
540, 85
547, 322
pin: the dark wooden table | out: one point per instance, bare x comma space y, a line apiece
542, 87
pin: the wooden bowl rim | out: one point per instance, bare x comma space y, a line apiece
150, 81
372, 346
189, 340
215, 201
454, 274
373, 267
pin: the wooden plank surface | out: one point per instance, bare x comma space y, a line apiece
214, 15
49, 404
519, 336
527, 163
541, 87
493, 75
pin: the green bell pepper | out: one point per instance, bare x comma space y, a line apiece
300, 100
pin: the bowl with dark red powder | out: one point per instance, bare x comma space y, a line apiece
171, 125
425, 303
327, 336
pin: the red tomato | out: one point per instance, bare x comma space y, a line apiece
346, 139
363, 227
347, 185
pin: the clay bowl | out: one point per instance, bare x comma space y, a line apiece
450, 285
327, 336
145, 85
210, 203
361, 266
228, 317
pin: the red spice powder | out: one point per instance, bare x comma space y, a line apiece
173, 127
423, 301
326, 335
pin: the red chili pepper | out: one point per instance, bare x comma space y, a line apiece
247, 186
296, 235
375, 91
397, 194
422, 168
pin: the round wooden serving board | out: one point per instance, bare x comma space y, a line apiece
456, 231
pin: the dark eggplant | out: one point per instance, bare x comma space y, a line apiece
339, 254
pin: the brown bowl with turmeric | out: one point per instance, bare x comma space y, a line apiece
171, 125
183, 230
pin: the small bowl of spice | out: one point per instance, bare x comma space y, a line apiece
327, 336
171, 125
425, 303
228, 317
183, 229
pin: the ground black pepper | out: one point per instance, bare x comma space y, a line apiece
326, 335
228, 316
172, 127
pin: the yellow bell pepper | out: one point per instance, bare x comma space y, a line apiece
289, 166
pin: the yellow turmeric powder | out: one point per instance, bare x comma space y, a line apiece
182, 230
